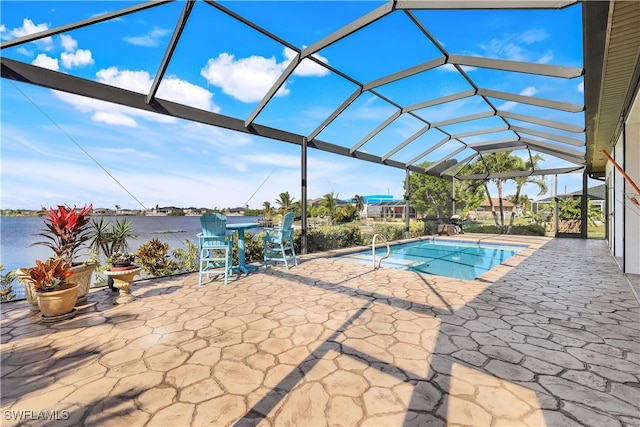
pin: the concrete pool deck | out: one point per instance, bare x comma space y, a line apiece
550, 338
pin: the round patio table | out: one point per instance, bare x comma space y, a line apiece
240, 227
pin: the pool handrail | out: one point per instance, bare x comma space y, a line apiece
373, 250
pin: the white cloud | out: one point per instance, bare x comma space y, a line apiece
136, 81
306, 68
151, 39
69, 44
44, 61
249, 79
106, 112
2, 28
77, 58
236, 163
514, 46
509, 105
118, 119
246, 79
529, 91
280, 160
581, 87
546, 58
28, 28
533, 36
24, 51
171, 88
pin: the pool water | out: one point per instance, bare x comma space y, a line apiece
449, 259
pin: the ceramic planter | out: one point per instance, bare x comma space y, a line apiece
59, 302
29, 290
82, 277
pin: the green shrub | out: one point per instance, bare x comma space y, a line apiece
253, 247
516, 230
331, 237
389, 231
6, 285
187, 257
416, 228
154, 258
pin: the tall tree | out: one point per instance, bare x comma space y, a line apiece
521, 181
267, 210
285, 201
330, 203
502, 161
431, 195
358, 202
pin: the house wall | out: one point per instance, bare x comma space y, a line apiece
632, 210
624, 226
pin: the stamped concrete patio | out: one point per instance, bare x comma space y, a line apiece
550, 338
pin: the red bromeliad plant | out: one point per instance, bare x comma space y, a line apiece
67, 230
49, 275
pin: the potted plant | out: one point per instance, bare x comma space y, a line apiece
109, 239
56, 295
67, 232
121, 261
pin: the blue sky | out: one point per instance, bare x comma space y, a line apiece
60, 148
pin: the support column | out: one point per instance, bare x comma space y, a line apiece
453, 196
303, 195
584, 205
555, 209
407, 205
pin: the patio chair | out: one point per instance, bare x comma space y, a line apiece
279, 240
216, 247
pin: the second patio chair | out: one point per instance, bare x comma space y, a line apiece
216, 247
278, 241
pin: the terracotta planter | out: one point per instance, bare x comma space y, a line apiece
82, 277
59, 302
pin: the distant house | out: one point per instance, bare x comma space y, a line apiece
102, 211
385, 206
239, 211
484, 210
163, 211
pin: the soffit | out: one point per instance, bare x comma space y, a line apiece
612, 55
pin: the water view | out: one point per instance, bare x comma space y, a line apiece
20, 232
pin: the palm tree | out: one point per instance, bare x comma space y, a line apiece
285, 201
329, 202
498, 162
267, 210
359, 202
521, 181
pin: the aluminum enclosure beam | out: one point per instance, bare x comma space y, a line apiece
182, 21
26, 73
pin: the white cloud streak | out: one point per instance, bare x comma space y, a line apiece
171, 88
151, 39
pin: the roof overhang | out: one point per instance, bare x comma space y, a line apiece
611, 32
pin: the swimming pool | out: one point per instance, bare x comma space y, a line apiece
443, 258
